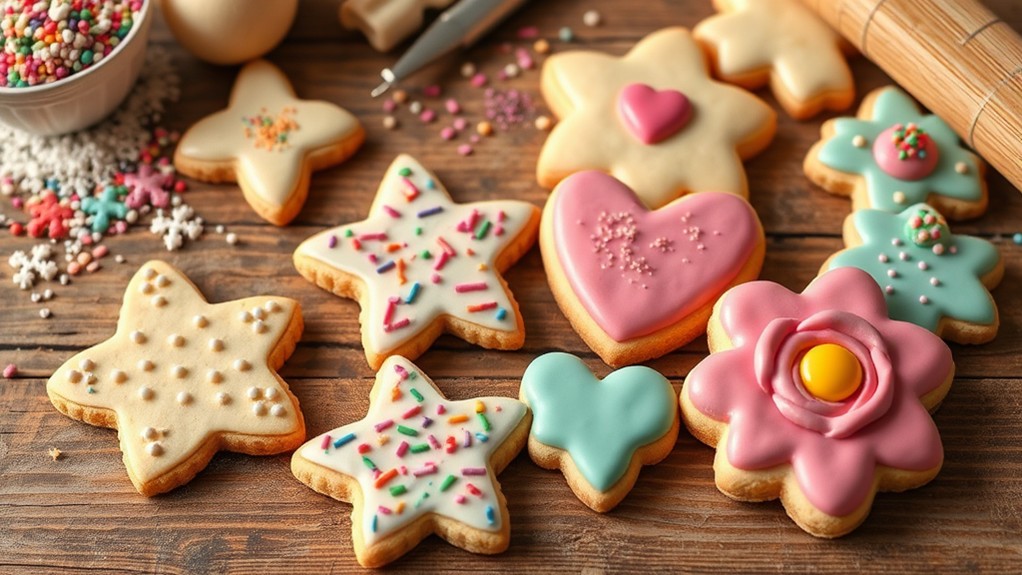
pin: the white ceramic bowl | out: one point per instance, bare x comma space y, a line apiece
82, 99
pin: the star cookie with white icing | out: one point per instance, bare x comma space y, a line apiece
182, 379
421, 264
654, 119
269, 142
753, 43
418, 464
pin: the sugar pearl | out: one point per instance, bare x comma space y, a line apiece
184, 398
271, 306
898, 197
162, 281
259, 408
277, 410
118, 376
223, 398
86, 364
74, 376
137, 337
924, 300
200, 321
591, 18
176, 340
179, 371
259, 327
242, 365
245, 316
883, 258
149, 434
159, 301
232, 238
154, 449
146, 288
146, 393
145, 365
923, 266
214, 376
259, 313
271, 393
962, 168
934, 282
859, 141
216, 344
149, 273
254, 393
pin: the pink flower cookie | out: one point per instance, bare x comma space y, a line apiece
418, 464
421, 264
818, 398
653, 119
268, 141
753, 43
636, 283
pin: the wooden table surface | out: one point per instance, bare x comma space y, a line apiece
250, 514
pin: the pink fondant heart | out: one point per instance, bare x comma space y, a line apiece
636, 271
652, 115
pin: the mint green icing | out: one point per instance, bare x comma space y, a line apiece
959, 294
895, 107
599, 423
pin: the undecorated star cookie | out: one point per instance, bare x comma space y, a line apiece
418, 464
753, 43
421, 264
653, 119
182, 379
268, 141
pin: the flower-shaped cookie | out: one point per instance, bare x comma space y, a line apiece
892, 156
182, 379
417, 464
598, 432
818, 398
930, 276
268, 141
653, 119
780, 42
421, 264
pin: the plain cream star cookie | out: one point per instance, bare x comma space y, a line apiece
182, 379
653, 119
419, 464
268, 141
753, 43
421, 264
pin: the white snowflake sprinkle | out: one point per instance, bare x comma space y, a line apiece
179, 225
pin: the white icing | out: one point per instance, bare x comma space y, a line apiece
433, 300
503, 414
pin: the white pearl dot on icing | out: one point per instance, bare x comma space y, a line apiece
259, 313
146, 393
223, 398
892, 273
924, 266
259, 327
214, 376
137, 337
150, 434
200, 321
259, 408
883, 258
277, 410
149, 273
184, 398
962, 168
242, 365
162, 281
154, 449
159, 301
74, 376
896, 242
146, 288
898, 197
859, 141
903, 256
271, 393
216, 344
924, 300
146, 365
938, 249
934, 282
254, 393
118, 376
245, 316
272, 306
889, 289
176, 340
179, 371
86, 364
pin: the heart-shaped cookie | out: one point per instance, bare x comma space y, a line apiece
644, 279
653, 115
602, 426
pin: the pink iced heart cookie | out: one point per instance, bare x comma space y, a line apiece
637, 283
653, 115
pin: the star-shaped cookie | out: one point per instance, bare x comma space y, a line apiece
931, 277
781, 42
653, 119
182, 379
421, 264
418, 464
268, 141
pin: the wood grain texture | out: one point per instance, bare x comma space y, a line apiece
245, 514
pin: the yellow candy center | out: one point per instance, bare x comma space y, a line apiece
830, 372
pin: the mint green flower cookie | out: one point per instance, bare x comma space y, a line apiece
931, 277
599, 433
892, 156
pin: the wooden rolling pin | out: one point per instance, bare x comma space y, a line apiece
955, 56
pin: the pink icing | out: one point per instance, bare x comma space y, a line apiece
886, 155
836, 474
637, 271
653, 115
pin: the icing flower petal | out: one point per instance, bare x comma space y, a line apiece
835, 480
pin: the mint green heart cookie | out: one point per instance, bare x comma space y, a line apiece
600, 424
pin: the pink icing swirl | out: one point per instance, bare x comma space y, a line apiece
777, 356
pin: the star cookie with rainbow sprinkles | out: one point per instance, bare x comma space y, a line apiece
269, 142
654, 119
182, 379
892, 156
418, 464
421, 264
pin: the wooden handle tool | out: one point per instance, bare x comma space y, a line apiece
955, 56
